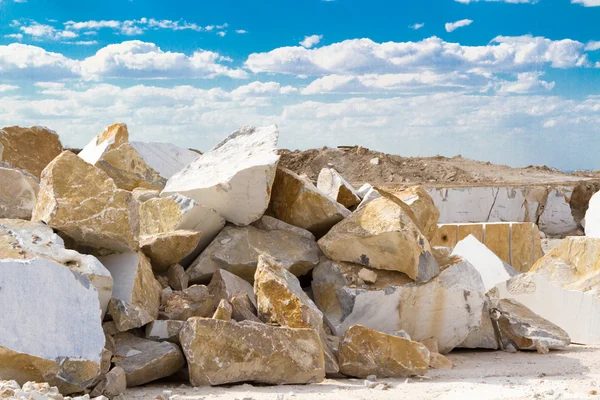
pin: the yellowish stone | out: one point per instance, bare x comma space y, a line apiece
422, 205
497, 239
29, 149
165, 249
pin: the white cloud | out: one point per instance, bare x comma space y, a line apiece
7, 88
592, 45
527, 82
42, 31
222, 33
417, 26
551, 123
587, 3
310, 41
241, 31
139, 26
21, 61
17, 36
83, 42
503, 1
452, 26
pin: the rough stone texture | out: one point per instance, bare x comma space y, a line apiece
18, 192
220, 352
165, 158
146, 360
483, 336
447, 307
331, 183
113, 384
111, 138
592, 217
367, 275
136, 293
178, 279
29, 391
26, 240
562, 287
29, 149
164, 330
225, 285
143, 195
165, 249
298, 202
372, 194
242, 309
175, 212
235, 177
236, 249
83, 203
44, 303
365, 352
282, 301
423, 207
195, 301
267, 223
382, 235
438, 361
224, 311
521, 329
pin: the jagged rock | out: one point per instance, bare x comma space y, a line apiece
365, 352
18, 192
220, 352
492, 269
165, 249
297, 201
164, 330
94, 214
224, 311
136, 293
29, 149
146, 360
363, 190
562, 287
282, 301
235, 177
143, 195
267, 223
236, 249
483, 336
367, 275
371, 194
436, 360
242, 309
519, 328
382, 235
447, 307
165, 158
336, 187
175, 212
65, 311
30, 391
225, 285
25, 240
178, 279
111, 138
113, 384
423, 207
195, 301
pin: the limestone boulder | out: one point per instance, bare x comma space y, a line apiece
111, 138
18, 192
145, 360
446, 308
177, 277
236, 249
136, 293
165, 158
371, 194
29, 149
44, 302
143, 195
195, 301
164, 330
165, 249
224, 311
83, 203
242, 309
365, 352
483, 336
298, 202
423, 207
592, 217
225, 285
363, 190
220, 352
113, 384
234, 177
382, 235
336, 187
282, 301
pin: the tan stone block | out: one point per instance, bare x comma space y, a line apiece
497, 239
445, 236
522, 246
29, 149
465, 230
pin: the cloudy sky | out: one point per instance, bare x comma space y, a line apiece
509, 81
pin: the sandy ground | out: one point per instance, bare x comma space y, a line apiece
569, 374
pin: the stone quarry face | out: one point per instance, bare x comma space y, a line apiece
365, 352
446, 308
423, 207
298, 202
25, 240
136, 293
382, 235
94, 214
29, 149
336, 187
64, 312
165, 249
235, 177
220, 352
18, 192
236, 249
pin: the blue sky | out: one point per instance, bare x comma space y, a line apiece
509, 81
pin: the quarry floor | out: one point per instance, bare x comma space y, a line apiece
573, 373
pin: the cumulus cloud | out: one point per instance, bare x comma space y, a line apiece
417, 26
452, 26
587, 3
7, 88
21, 61
310, 41
42, 31
592, 45
17, 36
527, 82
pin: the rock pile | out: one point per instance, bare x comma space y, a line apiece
132, 262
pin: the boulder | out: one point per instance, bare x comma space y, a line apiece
195, 301
331, 183
18, 192
371, 194
164, 330
297, 201
165, 249
112, 137
235, 177
44, 302
83, 203
363, 190
145, 360
562, 287
143, 195
267, 223
483, 336
592, 217
113, 384
365, 352
242, 309
25, 240
178, 279
29, 149
165, 158
225, 285
220, 352
136, 293
382, 235
282, 301
236, 249
224, 311
423, 207
167, 214
446, 308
